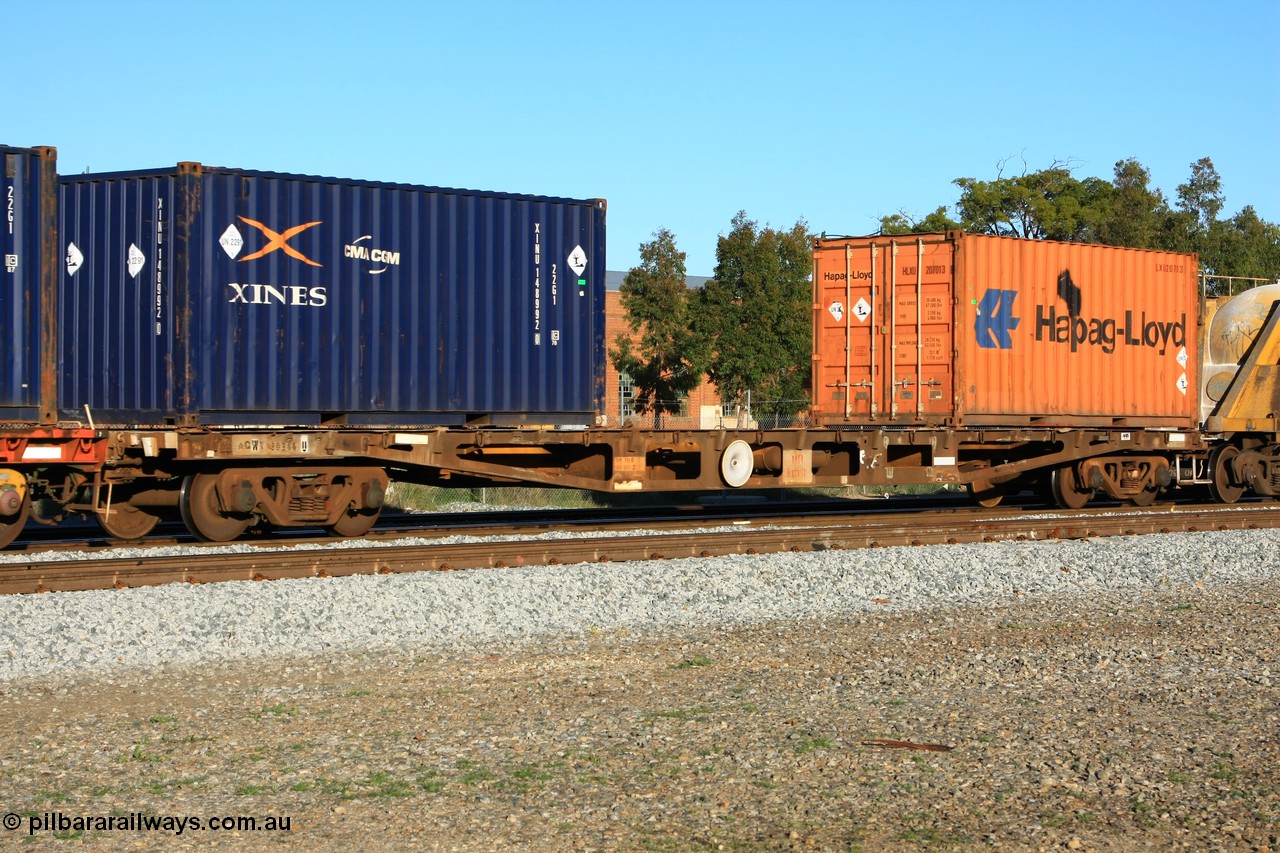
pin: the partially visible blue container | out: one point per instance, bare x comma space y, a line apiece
224, 296
28, 284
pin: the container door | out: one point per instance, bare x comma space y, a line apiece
884, 336
27, 186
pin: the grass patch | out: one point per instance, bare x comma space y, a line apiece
810, 744
477, 777
280, 710
430, 782
162, 786
1143, 813
1224, 770
385, 785
254, 790
530, 773
185, 740
138, 754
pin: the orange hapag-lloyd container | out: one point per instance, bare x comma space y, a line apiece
969, 330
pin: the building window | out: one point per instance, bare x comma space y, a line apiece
626, 396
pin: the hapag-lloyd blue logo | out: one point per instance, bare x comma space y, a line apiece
995, 319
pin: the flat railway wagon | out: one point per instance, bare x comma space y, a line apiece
231, 351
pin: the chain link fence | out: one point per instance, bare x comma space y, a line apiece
765, 414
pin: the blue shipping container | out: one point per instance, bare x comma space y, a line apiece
224, 296
28, 289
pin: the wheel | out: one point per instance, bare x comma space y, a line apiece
985, 493
1222, 484
204, 518
737, 463
126, 521
1146, 497
11, 525
1065, 489
354, 523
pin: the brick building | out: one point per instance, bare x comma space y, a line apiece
702, 408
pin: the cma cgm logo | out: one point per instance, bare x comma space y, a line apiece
995, 319
272, 294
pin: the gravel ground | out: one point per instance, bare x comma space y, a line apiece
1109, 695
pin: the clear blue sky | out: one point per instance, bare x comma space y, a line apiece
679, 113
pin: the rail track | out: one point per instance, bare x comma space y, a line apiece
544, 543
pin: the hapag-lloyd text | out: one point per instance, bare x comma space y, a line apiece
1108, 332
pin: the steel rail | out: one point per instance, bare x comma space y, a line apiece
825, 534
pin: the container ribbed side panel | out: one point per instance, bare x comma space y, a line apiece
116, 312
1037, 332
303, 299
1078, 332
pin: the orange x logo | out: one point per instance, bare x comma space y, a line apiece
280, 241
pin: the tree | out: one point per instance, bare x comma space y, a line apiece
1138, 214
1192, 227
1046, 205
754, 316
1201, 196
1243, 245
1051, 204
901, 223
667, 360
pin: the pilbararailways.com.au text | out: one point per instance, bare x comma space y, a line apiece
139, 822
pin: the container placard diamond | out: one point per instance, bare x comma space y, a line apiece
75, 260
231, 241
136, 261
862, 310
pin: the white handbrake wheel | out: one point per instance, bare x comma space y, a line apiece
736, 463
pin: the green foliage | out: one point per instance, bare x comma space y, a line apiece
1201, 196
667, 362
901, 223
1045, 205
754, 316
1244, 245
1052, 204
1139, 214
